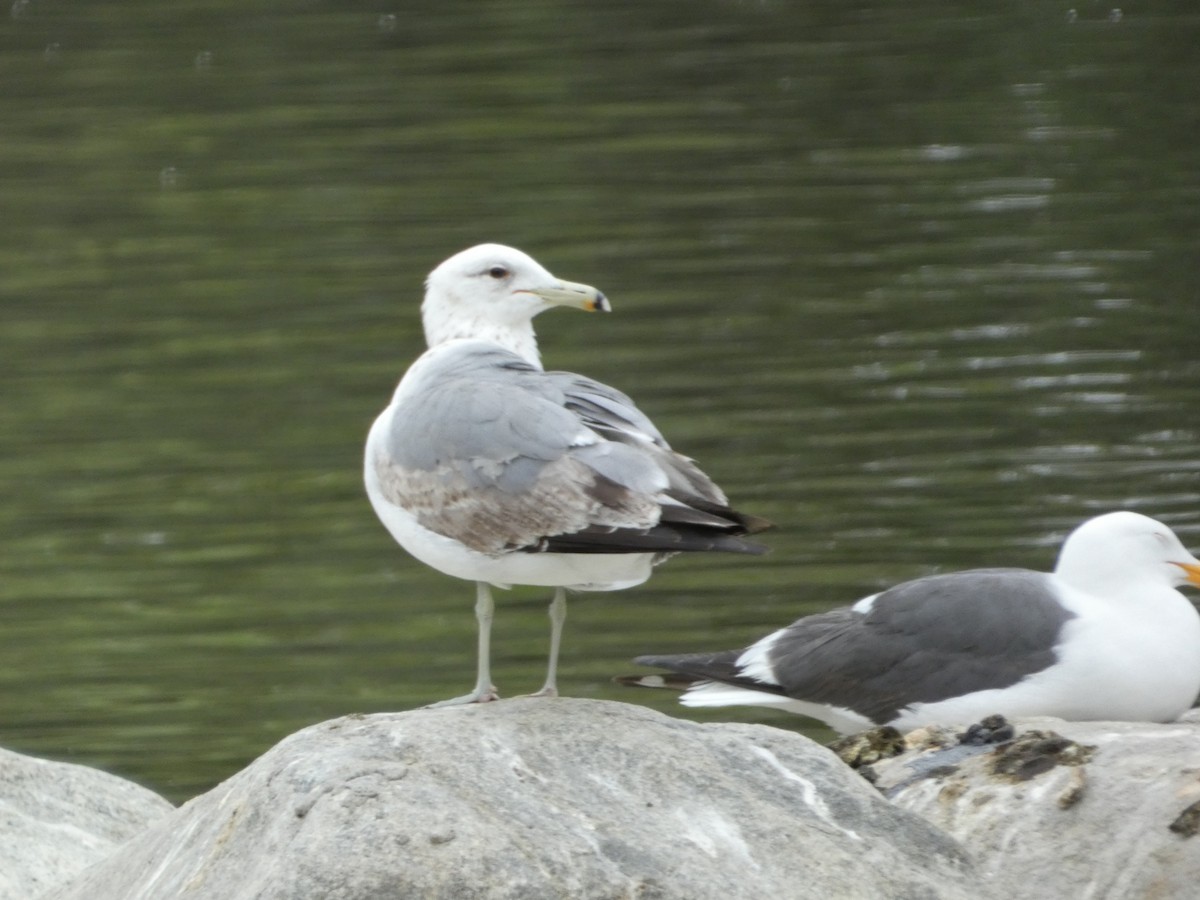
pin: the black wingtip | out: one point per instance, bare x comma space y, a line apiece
659, 539
753, 524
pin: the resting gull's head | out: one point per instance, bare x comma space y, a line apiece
1108, 552
491, 292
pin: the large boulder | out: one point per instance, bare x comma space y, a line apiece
56, 819
536, 798
1066, 809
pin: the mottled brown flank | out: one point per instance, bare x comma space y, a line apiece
567, 497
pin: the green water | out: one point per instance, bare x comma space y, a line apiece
918, 283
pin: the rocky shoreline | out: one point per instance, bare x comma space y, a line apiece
563, 798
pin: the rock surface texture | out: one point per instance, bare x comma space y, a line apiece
56, 819
536, 798
1066, 809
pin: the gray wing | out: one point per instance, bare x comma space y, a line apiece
611, 413
922, 641
490, 453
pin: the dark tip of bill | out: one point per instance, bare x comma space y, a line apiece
601, 304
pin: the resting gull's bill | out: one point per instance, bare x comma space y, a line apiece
1106, 636
488, 468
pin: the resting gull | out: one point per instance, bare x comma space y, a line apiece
1105, 636
488, 468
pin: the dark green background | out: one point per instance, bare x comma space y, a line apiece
916, 281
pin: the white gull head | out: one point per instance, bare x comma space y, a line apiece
1120, 549
491, 293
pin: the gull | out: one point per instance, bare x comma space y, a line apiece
1106, 636
488, 468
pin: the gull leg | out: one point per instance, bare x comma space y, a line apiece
484, 690
558, 615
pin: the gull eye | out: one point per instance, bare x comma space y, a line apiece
498, 272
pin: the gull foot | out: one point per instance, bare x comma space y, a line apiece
474, 697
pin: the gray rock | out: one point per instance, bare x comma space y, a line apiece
56, 819
535, 798
1068, 809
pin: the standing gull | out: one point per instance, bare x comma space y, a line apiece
488, 468
1105, 636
